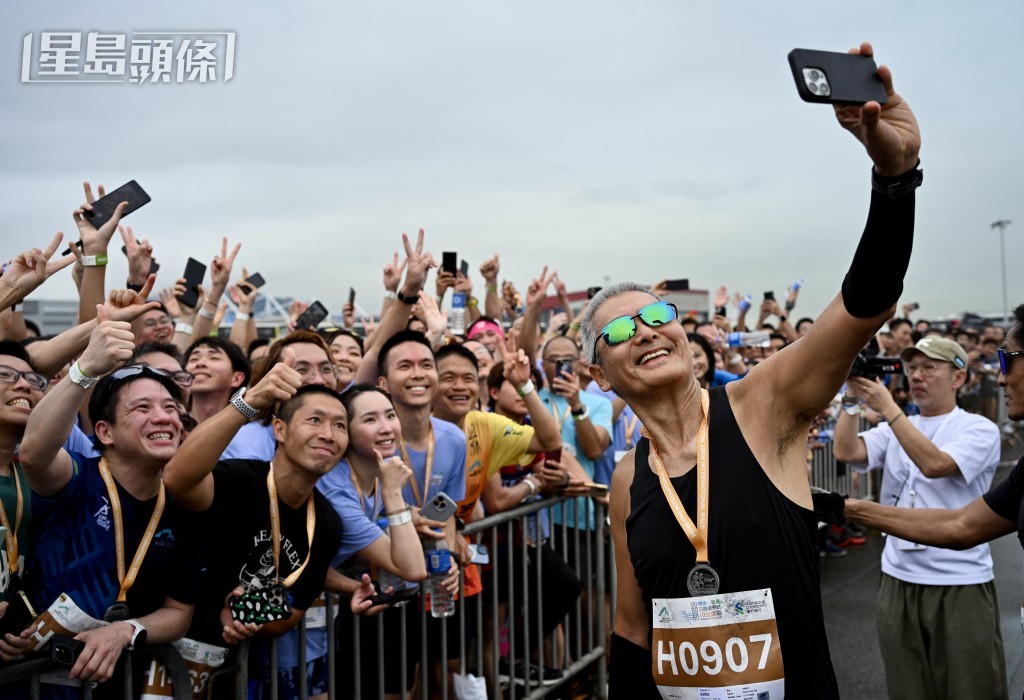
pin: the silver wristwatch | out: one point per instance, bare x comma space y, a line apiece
242, 405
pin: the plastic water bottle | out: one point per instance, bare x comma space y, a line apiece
439, 561
796, 285
757, 339
457, 314
386, 579
744, 304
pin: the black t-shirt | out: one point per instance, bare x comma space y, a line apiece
1007, 499
241, 548
758, 539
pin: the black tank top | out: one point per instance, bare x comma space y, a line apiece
758, 538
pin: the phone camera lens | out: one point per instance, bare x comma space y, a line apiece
62, 655
825, 90
813, 87
815, 75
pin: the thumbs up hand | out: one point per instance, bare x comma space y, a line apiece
111, 344
278, 385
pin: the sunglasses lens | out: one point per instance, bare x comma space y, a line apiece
657, 314
619, 330
1002, 362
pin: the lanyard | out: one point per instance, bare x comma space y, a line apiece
911, 467
12, 537
698, 535
630, 427
127, 580
427, 471
554, 412
359, 489
275, 530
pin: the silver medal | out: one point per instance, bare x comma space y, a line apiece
702, 580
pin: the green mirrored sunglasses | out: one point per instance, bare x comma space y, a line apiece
621, 329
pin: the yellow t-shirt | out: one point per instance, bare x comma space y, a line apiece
492, 441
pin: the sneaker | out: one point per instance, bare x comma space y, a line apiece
505, 672
539, 675
837, 536
834, 550
548, 676
854, 534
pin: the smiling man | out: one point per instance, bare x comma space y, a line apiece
932, 603
710, 514
219, 368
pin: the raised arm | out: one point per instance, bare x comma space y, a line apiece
535, 294
189, 475
94, 247
492, 300
47, 466
29, 270
804, 377
516, 368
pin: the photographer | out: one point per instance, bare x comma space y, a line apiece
932, 603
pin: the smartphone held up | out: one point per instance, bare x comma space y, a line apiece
829, 77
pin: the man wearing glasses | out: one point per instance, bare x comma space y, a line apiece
718, 573
932, 603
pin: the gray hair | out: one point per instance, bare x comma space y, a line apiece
588, 331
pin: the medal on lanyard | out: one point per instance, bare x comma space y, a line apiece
702, 579
427, 471
279, 591
11, 542
118, 611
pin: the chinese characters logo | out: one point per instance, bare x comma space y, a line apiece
140, 57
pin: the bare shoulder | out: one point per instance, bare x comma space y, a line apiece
622, 480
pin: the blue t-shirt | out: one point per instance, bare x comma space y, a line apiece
722, 378
625, 435
75, 550
253, 441
80, 443
449, 465
359, 516
601, 416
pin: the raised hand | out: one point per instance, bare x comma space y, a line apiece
30, 269
128, 305
489, 270
419, 263
170, 303
443, 281
394, 473
538, 288
278, 385
432, 315
889, 132
88, 192
95, 241
220, 268
515, 363
111, 344
721, 296
244, 294
393, 274
140, 255
179, 290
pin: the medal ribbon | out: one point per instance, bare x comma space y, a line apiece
698, 535
275, 530
429, 469
12, 537
359, 489
554, 413
127, 580
630, 427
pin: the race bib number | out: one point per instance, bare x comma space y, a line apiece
717, 647
63, 617
316, 614
200, 659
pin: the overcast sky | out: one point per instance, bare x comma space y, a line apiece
612, 140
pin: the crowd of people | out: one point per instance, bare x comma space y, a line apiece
165, 482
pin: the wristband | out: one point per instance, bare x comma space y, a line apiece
182, 327
898, 185
720, 311
533, 487
390, 295
582, 415
134, 287
492, 288
575, 327
790, 305
243, 406
736, 360
77, 376
472, 302
400, 517
895, 418
208, 315
410, 300
94, 260
782, 319
526, 389
239, 316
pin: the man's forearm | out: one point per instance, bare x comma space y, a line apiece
198, 455
544, 424
847, 438
591, 440
49, 356
167, 624
933, 462
492, 302
528, 334
936, 527
50, 425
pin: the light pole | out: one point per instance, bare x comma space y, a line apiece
1001, 225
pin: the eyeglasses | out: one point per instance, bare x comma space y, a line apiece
621, 329
154, 322
925, 368
183, 379
9, 375
1005, 357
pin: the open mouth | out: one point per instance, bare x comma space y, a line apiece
159, 436
385, 444
652, 355
19, 403
418, 390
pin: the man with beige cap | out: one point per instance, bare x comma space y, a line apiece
938, 623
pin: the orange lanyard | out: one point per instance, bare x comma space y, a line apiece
275, 530
427, 471
554, 412
128, 579
12, 534
698, 535
359, 489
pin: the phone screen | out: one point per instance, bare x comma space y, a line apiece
464, 269
680, 285
194, 273
592, 292
311, 317
351, 295
104, 207
449, 261
256, 280
769, 296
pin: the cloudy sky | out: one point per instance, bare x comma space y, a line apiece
612, 140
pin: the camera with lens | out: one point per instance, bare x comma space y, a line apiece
870, 365
64, 651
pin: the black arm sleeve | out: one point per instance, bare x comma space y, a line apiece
875, 279
629, 671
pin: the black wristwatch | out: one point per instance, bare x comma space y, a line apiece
410, 300
898, 185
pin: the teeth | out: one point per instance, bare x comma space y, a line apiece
160, 436
652, 355
19, 403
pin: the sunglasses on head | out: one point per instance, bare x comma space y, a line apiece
1005, 357
621, 329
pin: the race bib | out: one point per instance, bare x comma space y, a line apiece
316, 614
63, 617
717, 647
200, 659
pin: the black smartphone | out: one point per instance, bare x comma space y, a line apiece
154, 266
64, 651
19, 614
439, 508
592, 292
769, 296
836, 78
395, 598
311, 317
261, 605
563, 367
253, 281
680, 285
464, 269
103, 208
351, 295
195, 271
915, 306
450, 262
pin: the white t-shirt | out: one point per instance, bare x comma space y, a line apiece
973, 443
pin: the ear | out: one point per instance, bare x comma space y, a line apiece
959, 378
237, 380
493, 394
382, 382
280, 429
597, 374
104, 433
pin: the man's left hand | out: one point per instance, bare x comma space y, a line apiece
103, 647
